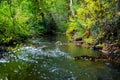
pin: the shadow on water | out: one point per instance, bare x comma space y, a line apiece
46, 61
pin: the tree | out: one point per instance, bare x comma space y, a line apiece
71, 8
12, 21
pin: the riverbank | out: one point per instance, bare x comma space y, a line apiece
109, 51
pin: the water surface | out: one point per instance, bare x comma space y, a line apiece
42, 59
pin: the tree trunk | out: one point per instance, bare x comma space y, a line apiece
71, 8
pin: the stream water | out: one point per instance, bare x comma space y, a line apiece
42, 59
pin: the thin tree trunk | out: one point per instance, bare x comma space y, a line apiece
71, 8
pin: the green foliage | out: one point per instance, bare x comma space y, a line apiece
75, 28
85, 18
12, 22
91, 17
89, 40
23, 18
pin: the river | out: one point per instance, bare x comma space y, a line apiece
42, 59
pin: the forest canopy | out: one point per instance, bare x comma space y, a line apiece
89, 19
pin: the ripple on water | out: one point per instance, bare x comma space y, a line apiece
4, 61
31, 53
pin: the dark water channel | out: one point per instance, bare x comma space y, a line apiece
41, 59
